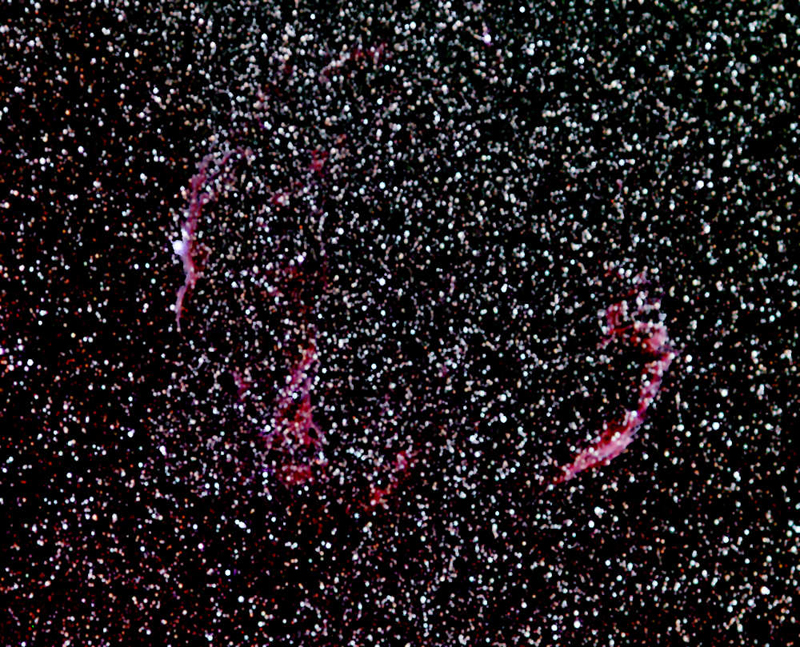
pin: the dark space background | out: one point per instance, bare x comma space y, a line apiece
434, 202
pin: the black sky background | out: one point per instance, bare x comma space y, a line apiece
443, 201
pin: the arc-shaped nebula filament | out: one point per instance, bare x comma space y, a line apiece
202, 190
617, 434
293, 439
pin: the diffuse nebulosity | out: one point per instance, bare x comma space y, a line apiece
315, 322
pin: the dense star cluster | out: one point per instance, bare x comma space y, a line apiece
442, 324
